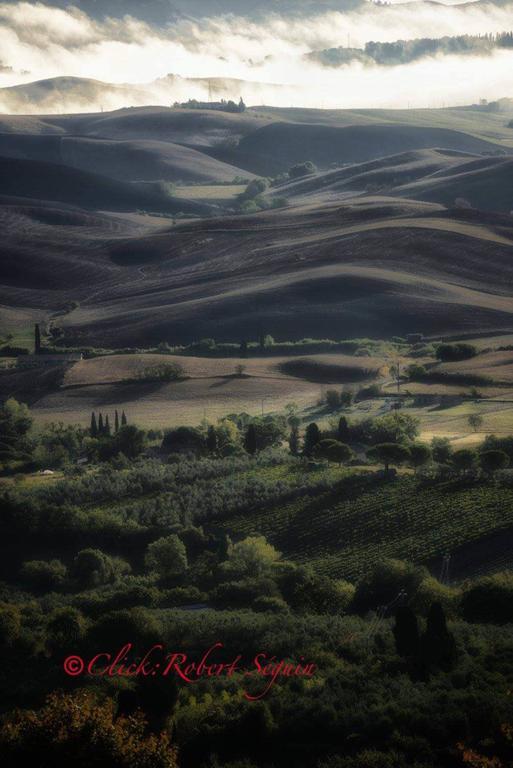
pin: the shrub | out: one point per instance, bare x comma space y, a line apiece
75, 729
385, 581
244, 592
134, 625
10, 624
420, 454
92, 568
392, 428
66, 627
493, 461
255, 188
308, 592
333, 450
179, 596
167, 556
300, 170
489, 600
270, 605
162, 372
128, 441
464, 460
432, 591
449, 353
183, 440
332, 399
252, 556
441, 450
43, 575
369, 393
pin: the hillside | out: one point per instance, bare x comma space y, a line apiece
47, 181
76, 92
366, 267
274, 148
435, 175
143, 160
385, 173
484, 184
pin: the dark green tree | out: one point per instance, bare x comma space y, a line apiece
124, 421
464, 460
129, 441
211, 439
343, 431
406, 632
101, 428
15, 423
493, 461
441, 449
294, 440
250, 440
106, 427
333, 450
93, 429
116, 422
312, 438
437, 644
389, 453
420, 454
37, 339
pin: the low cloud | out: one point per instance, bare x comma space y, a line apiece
269, 57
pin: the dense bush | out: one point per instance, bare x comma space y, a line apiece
489, 599
80, 730
450, 353
43, 575
91, 568
167, 556
302, 169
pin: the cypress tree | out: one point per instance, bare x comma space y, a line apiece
94, 427
250, 440
294, 440
312, 437
37, 339
343, 430
212, 439
116, 422
438, 647
406, 632
124, 421
100, 424
107, 426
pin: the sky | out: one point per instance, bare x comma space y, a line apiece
268, 52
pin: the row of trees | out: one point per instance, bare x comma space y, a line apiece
100, 426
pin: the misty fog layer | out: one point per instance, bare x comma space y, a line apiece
269, 59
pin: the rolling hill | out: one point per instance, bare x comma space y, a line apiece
274, 148
49, 181
372, 267
372, 248
486, 184
434, 175
143, 160
385, 173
